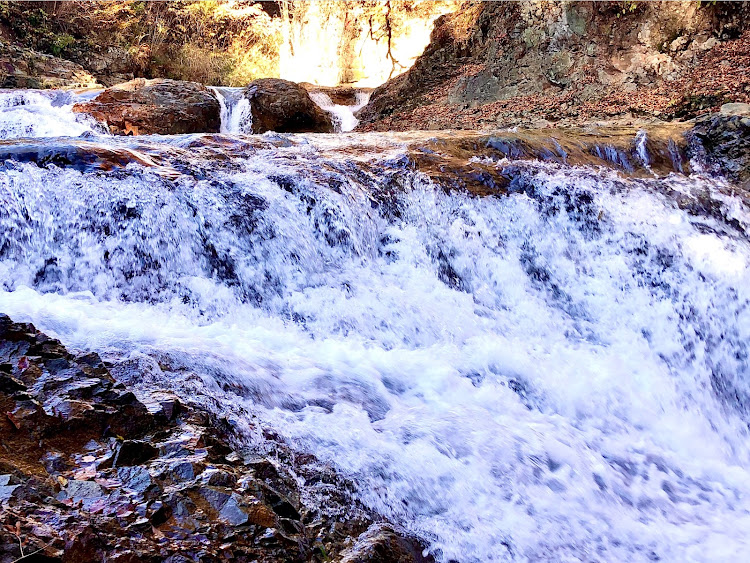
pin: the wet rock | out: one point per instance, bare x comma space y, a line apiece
726, 142
6, 489
9, 384
280, 504
84, 546
159, 106
261, 515
232, 513
135, 479
169, 407
183, 471
381, 543
285, 107
81, 491
218, 478
177, 491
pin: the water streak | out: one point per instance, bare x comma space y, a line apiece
236, 116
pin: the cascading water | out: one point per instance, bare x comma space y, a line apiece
34, 113
236, 117
343, 116
558, 371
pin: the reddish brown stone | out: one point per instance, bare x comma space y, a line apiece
161, 106
285, 107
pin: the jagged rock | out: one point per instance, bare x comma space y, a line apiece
726, 140
382, 543
136, 479
504, 64
284, 107
176, 488
159, 106
83, 492
232, 513
6, 489
25, 68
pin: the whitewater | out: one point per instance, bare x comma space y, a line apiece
554, 372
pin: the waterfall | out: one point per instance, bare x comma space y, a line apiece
236, 116
324, 44
554, 368
343, 116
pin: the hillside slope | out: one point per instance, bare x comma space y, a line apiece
524, 63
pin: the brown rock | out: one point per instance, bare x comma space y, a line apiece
84, 546
285, 107
501, 64
61, 493
160, 106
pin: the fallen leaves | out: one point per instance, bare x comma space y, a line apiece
719, 75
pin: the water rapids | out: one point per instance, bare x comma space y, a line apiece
516, 352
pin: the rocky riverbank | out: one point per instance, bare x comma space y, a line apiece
505, 64
25, 68
92, 470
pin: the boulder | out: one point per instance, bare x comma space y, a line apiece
735, 109
285, 107
159, 106
380, 543
725, 138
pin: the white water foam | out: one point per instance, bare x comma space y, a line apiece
343, 116
560, 374
236, 117
40, 113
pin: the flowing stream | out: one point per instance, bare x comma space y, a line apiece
552, 371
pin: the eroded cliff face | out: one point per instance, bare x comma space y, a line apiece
499, 64
26, 68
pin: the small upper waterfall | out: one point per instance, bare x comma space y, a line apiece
236, 116
365, 44
343, 115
